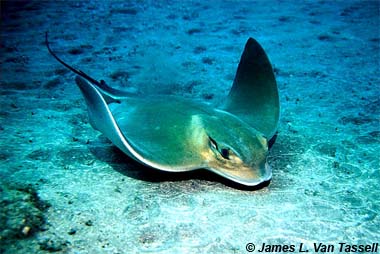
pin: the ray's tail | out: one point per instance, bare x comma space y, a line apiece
110, 94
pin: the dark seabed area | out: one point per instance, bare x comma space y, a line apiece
64, 188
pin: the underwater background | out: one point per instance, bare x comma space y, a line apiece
66, 189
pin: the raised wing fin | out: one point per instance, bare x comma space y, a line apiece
254, 94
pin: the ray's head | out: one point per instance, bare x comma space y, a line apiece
234, 150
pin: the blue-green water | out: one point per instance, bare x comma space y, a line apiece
66, 188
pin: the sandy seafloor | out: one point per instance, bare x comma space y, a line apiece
66, 189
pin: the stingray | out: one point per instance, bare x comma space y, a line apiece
175, 134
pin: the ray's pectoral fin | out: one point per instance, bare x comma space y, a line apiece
254, 94
101, 117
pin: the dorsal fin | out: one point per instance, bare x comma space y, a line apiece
254, 95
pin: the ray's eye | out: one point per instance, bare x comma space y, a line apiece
225, 152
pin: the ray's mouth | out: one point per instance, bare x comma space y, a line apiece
261, 175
